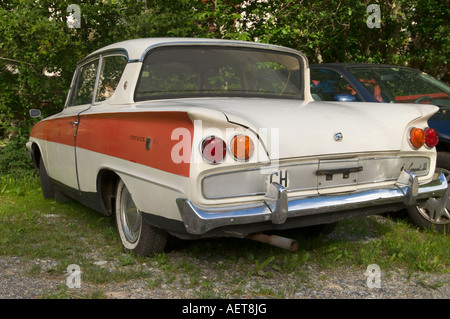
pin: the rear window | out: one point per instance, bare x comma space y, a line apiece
175, 72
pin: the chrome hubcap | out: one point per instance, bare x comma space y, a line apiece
437, 210
130, 217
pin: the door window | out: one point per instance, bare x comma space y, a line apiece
85, 84
111, 72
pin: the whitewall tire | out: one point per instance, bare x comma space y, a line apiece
135, 233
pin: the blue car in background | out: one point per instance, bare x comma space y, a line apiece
393, 84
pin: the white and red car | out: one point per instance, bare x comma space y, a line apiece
203, 137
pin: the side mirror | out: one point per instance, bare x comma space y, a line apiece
34, 113
344, 98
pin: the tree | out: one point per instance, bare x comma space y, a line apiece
39, 50
38, 53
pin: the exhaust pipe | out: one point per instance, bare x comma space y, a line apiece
274, 240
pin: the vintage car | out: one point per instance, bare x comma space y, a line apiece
219, 138
394, 84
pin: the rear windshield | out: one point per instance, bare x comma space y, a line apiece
174, 72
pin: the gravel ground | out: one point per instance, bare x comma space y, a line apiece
214, 276
20, 280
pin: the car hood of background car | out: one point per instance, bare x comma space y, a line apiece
308, 128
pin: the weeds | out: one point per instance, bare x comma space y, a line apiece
70, 233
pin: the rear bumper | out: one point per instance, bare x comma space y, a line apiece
278, 209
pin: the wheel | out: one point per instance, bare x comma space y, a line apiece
48, 190
135, 234
435, 212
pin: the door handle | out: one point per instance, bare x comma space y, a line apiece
74, 122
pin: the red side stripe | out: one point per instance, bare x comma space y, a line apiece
59, 130
143, 138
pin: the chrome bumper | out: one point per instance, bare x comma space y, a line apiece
277, 208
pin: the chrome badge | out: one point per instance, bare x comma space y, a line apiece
338, 137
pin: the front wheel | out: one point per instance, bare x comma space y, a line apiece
435, 212
48, 190
135, 234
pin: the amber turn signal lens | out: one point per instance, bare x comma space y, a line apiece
431, 137
214, 149
417, 137
242, 147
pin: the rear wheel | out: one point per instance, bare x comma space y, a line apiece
135, 234
435, 212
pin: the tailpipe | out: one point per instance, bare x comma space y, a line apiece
274, 240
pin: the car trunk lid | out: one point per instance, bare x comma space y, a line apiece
291, 128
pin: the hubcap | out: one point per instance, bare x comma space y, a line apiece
437, 210
130, 217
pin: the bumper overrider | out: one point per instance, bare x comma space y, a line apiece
277, 211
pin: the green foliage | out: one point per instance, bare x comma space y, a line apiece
38, 50
14, 162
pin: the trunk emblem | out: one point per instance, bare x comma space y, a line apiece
338, 137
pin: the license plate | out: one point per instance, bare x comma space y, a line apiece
338, 173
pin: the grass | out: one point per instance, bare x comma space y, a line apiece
69, 233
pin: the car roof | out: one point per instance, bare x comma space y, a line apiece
137, 48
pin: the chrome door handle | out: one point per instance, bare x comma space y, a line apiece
74, 122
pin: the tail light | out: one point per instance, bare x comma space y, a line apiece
242, 147
416, 137
213, 149
428, 137
431, 137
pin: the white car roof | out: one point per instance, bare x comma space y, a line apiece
137, 48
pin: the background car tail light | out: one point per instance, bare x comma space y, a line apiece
417, 137
214, 149
242, 147
431, 137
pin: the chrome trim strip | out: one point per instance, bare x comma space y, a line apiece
95, 54
277, 207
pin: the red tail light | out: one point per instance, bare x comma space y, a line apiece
214, 149
431, 137
417, 137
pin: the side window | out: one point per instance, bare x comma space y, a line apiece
326, 84
372, 83
112, 69
84, 84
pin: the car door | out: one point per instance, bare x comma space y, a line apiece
63, 127
96, 125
